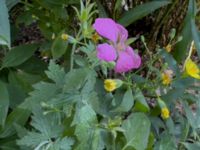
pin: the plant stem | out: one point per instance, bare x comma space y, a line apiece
72, 56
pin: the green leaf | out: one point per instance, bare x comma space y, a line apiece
193, 119
167, 142
4, 103
170, 61
195, 35
48, 127
192, 146
32, 139
141, 11
56, 73
18, 55
75, 79
181, 47
63, 144
140, 102
8, 144
4, 24
173, 94
16, 95
33, 65
89, 137
23, 80
45, 123
17, 116
127, 102
42, 92
84, 114
59, 47
137, 130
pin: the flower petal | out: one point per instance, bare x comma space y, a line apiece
135, 57
127, 60
123, 33
106, 52
192, 69
107, 28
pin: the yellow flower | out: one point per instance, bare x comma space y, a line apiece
167, 77
168, 48
165, 113
110, 85
95, 37
192, 69
64, 37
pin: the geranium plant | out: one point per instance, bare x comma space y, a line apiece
91, 84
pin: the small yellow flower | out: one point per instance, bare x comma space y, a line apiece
110, 85
167, 77
168, 48
165, 113
192, 69
95, 37
64, 36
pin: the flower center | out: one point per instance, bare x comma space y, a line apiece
120, 46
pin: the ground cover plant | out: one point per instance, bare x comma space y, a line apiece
99, 75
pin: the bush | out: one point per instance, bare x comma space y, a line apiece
73, 78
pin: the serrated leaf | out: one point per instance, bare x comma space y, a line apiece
137, 130
46, 124
4, 24
18, 55
32, 139
141, 11
75, 79
56, 73
84, 114
4, 103
63, 144
89, 137
42, 92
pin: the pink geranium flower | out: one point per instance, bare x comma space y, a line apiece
125, 57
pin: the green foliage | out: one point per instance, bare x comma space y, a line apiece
4, 24
18, 55
4, 103
136, 137
53, 95
188, 33
141, 11
59, 47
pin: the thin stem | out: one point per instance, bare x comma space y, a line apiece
190, 53
72, 56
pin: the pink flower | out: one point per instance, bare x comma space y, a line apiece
125, 57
